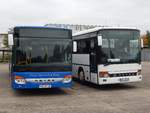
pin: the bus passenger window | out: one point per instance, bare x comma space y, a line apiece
92, 44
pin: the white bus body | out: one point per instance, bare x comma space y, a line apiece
107, 55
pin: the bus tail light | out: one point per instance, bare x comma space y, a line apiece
20, 80
103, 74
139, 72
67, 79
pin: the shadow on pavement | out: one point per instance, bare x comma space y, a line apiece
109, 87
39, 92
76, 87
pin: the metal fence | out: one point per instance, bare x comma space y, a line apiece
146, 54
5, 54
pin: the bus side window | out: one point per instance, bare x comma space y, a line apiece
92, 44
83, 46
87, 49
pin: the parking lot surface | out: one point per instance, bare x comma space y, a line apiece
81, 98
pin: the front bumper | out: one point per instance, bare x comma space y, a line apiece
29, 85
117, 80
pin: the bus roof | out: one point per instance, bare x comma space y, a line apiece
102, 28
42, 32
40, 27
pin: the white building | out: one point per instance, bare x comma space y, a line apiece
74, 28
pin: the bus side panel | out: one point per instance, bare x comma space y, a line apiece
86, 70
94, 78
81, 61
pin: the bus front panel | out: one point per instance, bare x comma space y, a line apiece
26, 80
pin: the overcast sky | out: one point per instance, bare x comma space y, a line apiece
98, 12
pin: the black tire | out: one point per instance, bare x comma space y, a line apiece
81, 75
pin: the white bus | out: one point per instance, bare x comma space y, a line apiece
107, 55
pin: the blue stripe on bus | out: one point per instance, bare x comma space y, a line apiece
42, 74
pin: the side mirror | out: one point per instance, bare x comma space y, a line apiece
74, 46
142, 43
99, 38
10, 40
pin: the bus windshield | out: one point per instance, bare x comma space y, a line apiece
42, 51
120, 46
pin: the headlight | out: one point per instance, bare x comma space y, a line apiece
20, 80
67, 79
103, 74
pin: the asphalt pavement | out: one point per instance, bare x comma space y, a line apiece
81, 98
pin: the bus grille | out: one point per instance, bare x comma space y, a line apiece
123, 74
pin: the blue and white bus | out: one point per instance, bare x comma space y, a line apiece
107, 55
41, 57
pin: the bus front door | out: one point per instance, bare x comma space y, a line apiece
93, 63
93, 66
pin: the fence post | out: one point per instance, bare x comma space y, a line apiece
3, 56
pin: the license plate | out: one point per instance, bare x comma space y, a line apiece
45, 86
124, 79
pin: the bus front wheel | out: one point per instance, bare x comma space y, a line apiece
81, 75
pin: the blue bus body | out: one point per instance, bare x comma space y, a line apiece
41, 58
41, 80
